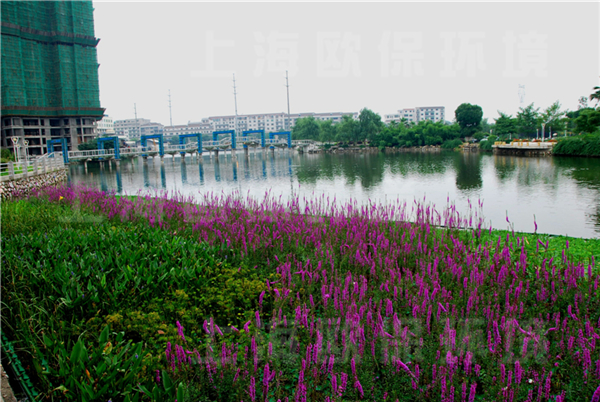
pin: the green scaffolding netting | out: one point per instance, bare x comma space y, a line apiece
49, 61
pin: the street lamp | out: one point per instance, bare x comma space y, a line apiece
15, 141
543, 127
26, 156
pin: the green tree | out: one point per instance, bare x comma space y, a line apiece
588, 121
528, 119
327, 131
485, 126
553, 117
370, 125
306, 128
348, 129
93, 145
505, 124
468, 117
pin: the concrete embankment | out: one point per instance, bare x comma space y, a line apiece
26, 185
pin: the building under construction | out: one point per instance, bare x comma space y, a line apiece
49, 74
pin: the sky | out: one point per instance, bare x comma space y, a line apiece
342, 57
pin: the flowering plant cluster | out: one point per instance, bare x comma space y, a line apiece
395, 302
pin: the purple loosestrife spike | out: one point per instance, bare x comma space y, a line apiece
596, 395
246, 326
257, 315
359, 388
266, 375
252, 389
260, 298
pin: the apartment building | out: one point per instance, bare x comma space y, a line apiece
204, 127
134, 128
417, 114
270, 122
106, 126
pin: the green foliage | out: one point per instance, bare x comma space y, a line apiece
93, 145
348, 130
552, 116
80, 275
306, 128
486, 145
6, 155
505, 125
370, 124
468, 118
588, 121
109, 368
583, 145
83, 271
479, 135
452, 144
528, 119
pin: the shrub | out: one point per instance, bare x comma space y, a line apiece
452, 144
582, 145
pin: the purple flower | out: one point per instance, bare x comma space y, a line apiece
180, 331
596, 396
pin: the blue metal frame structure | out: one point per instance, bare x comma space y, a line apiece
103, 140
161, 148
262, 136
182, 138
288, 134
232, 132
63, 144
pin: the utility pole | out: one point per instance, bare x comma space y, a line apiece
288, 100
235, 101
170, 112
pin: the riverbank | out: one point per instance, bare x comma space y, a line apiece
356, 294
27, 185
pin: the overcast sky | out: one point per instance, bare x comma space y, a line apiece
342, 56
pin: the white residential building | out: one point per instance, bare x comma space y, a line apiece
134, 128
203, 127
415, 115
270, 122
433, 113
106, 126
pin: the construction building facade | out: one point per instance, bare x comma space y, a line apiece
49, 74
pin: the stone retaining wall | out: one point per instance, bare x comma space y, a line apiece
24, 186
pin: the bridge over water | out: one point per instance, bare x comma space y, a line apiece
221, 141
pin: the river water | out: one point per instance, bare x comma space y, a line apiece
562, 193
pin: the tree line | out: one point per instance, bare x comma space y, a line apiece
468, 123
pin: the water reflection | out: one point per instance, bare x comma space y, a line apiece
506, 167
119, 181
145, 173
217, 170
468, 171
201, 171
163, 176
183, 172
563, 193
